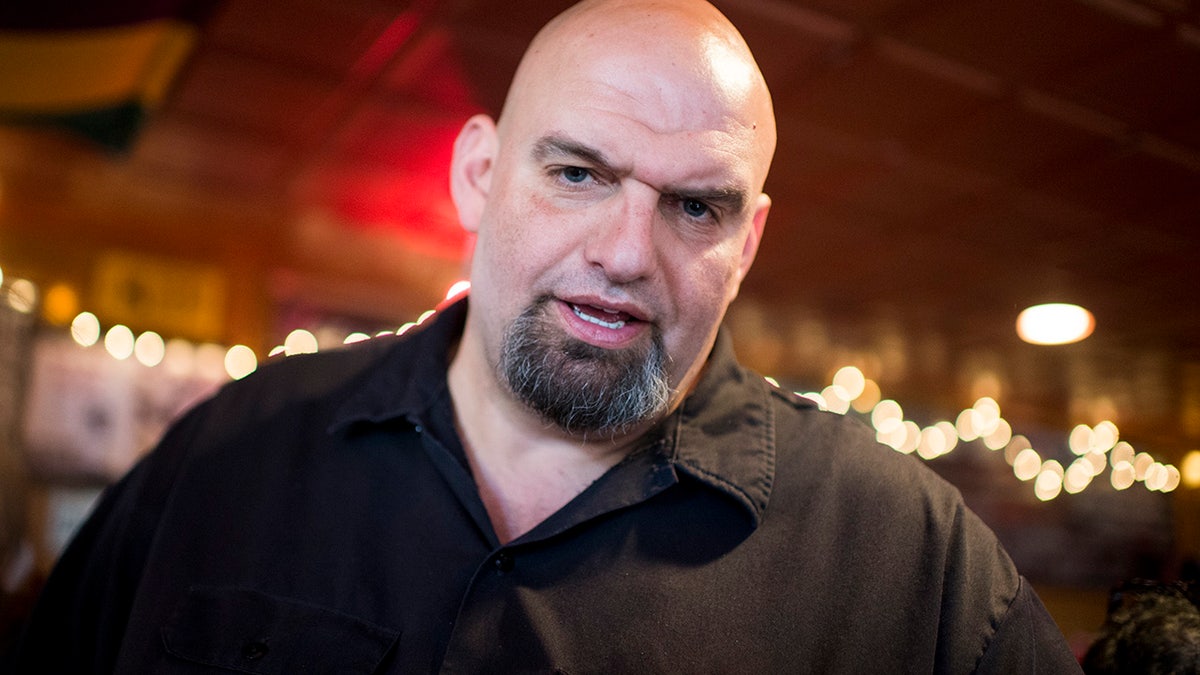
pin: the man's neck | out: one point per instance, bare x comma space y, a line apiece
525, 468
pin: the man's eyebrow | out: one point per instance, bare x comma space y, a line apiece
548, 147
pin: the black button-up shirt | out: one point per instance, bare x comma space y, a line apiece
319, 516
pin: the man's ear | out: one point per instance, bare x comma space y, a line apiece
750, 248
471, 169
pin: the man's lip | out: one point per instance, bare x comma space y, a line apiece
629, 310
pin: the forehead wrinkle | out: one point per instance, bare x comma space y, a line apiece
558, 146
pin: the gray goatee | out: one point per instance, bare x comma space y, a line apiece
577, 386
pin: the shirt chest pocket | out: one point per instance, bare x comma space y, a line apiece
246, 631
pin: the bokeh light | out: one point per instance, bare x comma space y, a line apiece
240, 361
149, 349
300, 341
85, 329
118, 341
1054, 324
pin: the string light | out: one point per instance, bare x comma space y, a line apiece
1096, 448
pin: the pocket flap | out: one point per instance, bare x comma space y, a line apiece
252, 632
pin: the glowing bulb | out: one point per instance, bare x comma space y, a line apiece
1014, 447
1048, 485
179, 357
1080, 440
869, 398
1141, 464
1055, 324
210, 361
967, 425
886, 409
300, 341
931, 443
22, 295
836, 399
1054, 466
949, 433
1173, 479
1078, 476
912, 437
891, 432
458, 288
149, 349
1156, 476
1000, 435
118, 341
60, 303
1121, 452
1190, 472
85, 329
1027, 464
1105, 436
987, 416
240, 361
851, 380
815, 397
1123, 475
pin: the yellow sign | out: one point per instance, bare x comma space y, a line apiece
176, 298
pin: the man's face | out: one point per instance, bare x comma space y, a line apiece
622, 211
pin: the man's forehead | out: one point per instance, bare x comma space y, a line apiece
669, 67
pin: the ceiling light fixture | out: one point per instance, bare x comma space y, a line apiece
1055, 324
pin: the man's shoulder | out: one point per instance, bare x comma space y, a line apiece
290, 394
803, 427
838, 455
291, 380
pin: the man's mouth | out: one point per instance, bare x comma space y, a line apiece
608, 318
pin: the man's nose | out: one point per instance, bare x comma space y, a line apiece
623, 244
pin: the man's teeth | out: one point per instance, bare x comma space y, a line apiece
612, 325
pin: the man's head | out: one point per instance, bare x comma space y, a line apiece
618, 205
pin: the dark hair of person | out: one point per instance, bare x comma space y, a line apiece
1152, 628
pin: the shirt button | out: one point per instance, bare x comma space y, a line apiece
504, 563
254, 650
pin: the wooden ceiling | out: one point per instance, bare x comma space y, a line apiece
941, 165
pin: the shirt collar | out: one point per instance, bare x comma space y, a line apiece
411, 375
724, 433
722, 436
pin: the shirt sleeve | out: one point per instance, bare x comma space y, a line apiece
1027, 640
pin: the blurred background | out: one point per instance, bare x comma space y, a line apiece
189, 189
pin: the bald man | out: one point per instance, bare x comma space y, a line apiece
568, 471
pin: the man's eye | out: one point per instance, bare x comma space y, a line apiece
695, 208
574, 174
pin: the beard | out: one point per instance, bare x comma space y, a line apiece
579, 387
